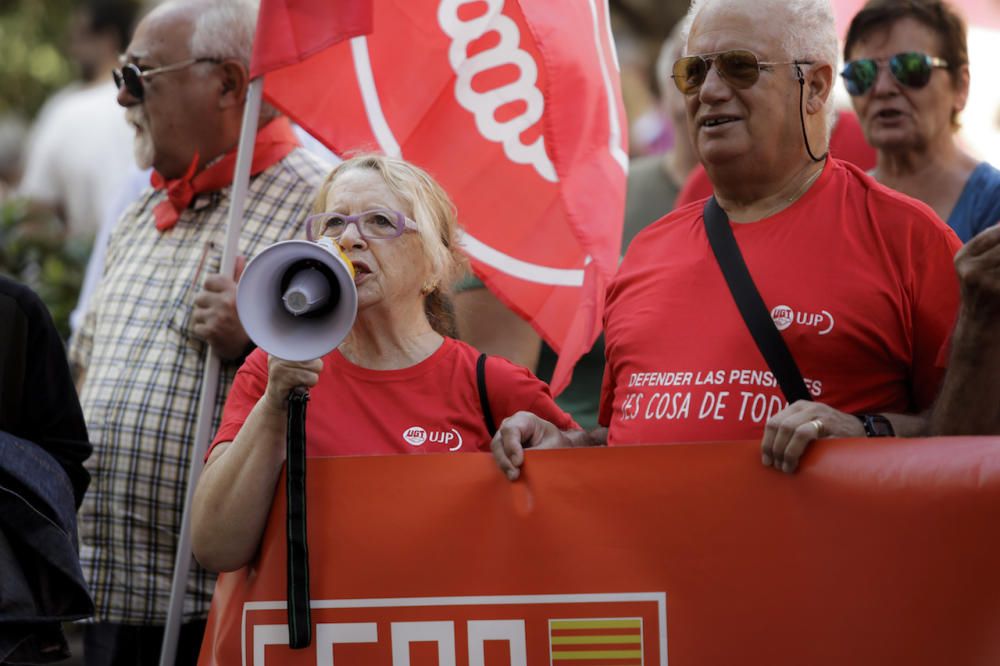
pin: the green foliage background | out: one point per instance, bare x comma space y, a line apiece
35, 252
33, 65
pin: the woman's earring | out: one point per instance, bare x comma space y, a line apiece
428, 288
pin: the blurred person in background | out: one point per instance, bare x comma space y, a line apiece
79, 154
640, 27
79, 160
907, 71
654, 181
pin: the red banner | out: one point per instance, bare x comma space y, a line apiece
514, 107
874, 553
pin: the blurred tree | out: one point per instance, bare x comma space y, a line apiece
33, 63
35, 251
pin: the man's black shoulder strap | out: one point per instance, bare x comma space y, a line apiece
755, 313
484, 400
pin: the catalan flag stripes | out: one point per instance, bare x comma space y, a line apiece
596, 642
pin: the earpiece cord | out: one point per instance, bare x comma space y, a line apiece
802, 117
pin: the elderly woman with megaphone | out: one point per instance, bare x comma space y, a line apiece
398, 383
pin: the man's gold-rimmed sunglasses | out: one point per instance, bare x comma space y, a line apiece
739, 67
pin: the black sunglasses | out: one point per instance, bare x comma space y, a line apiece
739, 67
912, 69
132, 77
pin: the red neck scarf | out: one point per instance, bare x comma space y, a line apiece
274, 141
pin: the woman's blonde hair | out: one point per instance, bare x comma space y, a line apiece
436, 220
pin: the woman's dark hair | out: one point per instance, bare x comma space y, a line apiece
113, 16
939, 16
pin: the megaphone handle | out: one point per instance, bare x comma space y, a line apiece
297, 573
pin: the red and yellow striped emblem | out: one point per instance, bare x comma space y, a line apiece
608, 642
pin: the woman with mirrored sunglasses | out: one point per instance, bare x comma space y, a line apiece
907, 71
399, 382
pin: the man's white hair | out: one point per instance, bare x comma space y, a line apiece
810, 33
224, 29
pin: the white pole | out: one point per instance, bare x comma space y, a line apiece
209, 383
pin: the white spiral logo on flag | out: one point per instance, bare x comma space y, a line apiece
484, 105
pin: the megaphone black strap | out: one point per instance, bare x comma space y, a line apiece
297, 572
484, 400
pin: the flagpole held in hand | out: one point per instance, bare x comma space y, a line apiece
210, 380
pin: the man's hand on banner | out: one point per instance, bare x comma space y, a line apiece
214, 317
521, 431
525, 430
789, 433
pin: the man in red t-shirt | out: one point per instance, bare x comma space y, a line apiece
858, 279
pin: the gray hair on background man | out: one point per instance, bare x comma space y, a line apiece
810, 33
225, 30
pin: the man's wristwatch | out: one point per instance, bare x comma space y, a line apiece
876, 425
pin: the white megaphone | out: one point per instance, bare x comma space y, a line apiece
297, 299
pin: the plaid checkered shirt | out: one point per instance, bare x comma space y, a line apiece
142, 384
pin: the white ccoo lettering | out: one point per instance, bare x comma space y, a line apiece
484, 105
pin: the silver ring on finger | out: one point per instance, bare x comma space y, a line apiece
816, 423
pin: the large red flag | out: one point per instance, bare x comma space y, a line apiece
289, 31
514, 106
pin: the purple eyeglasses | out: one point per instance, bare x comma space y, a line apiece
378, 224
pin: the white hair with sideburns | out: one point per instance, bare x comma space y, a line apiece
810, 34
224, 29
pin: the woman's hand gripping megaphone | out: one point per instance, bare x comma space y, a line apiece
284, 377
296, 321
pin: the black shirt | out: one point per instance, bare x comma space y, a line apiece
38, 401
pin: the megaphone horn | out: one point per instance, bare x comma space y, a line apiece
297, 299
